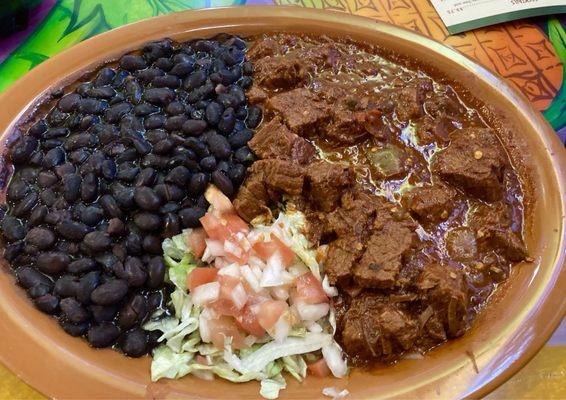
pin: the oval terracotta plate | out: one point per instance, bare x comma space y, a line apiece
507, 334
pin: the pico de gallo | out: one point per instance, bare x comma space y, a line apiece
250, 303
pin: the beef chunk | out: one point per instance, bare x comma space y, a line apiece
266, 180
280, 72
346, 127
256, 95
446, 291
341, 258
252, 198
431, 203
327, 182
374, 329
382, 261
474, 161
268, 47
461, 244
431, 130
493, 224
275, 140
320, 55
303, 113
355, 216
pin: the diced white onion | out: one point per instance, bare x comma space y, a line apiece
281, 329
232, 270
239, 296
250, 278
330, 291
206, 293
203, 374
273, 272
220, 262
335, 393
280, 292
312, 312
250, 340
232, 248
215, 247
335, 360
256, 263
203, 327
313, 327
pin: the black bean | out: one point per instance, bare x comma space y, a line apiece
227, 100
103, 313
179, 176
254, 117
107, 260
133, 312
123, 195
159, 96
67, 247
108, 169
13, 229
42, 238
219, 146
103, 335
37, 216
53, 133
134, 272
81, 265
69, 102
237, 174
246, 82
152, 244
131, 62
133, 244
240, 138
29, 277
147, 75
182, 69
24, 206
87, 121
53, 262
92, 215
169, 192
223, 182
244, 155
22, 150
48, 197
109, 292
79, 141
72, 187
163, 146
72, 230
156, 272
117, 111
146, 198
132, 90
147, 221
47, 303
97, 241
198, 183
52, 143
154, 121
74, 329
13, 250
115, 227
175, 123
144, 109
119, 79
194, 80
17, 190
170, 81
208, 164
110, 206
135, 343
36, 159
105, 92
164, 63
73, 310
104, 77
89, 187
87, 284
37, 129
194, 127
190, 216
65, 169
213, 112
92, 106
175, 108
154, 161
54, 157
248, 67
38, 290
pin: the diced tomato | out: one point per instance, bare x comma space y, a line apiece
309, 289
220, 202
269, 312
200, 276
248, 321
222, 328
224, 227
267, 249
201, 360
318, 368
196, 242
228, 303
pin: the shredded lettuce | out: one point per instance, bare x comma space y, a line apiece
270, 387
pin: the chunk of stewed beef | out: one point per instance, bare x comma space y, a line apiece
343, 254
431, 203
445, 288
280, 72
375, 329
275, 140
326, 182
383, 258
474, 161
301, 111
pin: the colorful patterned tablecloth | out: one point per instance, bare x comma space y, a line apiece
529, 53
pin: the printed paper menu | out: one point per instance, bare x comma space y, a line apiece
465, 15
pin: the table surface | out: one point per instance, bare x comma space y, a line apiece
529, 53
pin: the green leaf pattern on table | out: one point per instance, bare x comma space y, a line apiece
72, 21
556, 113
